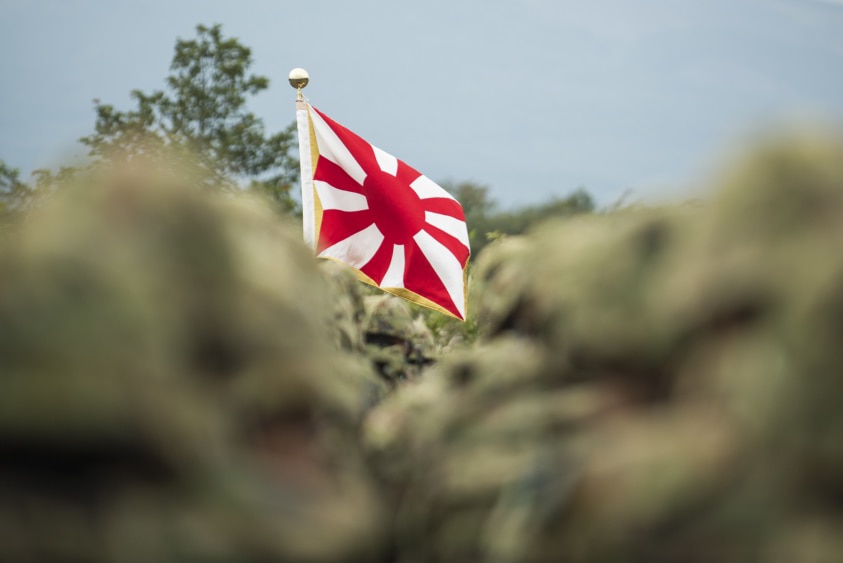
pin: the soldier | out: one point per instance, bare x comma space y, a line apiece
397, 345
346, 320
168, 388
653, 385
348, 309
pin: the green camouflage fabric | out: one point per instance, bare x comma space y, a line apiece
168, 387
398, 346
348, 313
422, 346
181, 380
348, 308
658, 385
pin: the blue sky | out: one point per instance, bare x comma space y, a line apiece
533, 98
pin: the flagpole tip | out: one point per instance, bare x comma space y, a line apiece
298, 78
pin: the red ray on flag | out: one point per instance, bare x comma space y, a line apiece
401, 231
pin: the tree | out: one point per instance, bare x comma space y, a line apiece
203, 113
474, 198
485, 223
520, 220
14, 194
477, 207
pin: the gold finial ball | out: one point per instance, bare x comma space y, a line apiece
299, 78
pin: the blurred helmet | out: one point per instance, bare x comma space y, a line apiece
388, 321
168, 390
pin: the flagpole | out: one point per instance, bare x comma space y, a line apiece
395, 227
299, 78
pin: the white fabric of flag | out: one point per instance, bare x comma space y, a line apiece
366, 208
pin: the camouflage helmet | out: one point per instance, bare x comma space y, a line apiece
661, 385
423, 343
347, 308
388, 332
168, 391
388, 320
499, 281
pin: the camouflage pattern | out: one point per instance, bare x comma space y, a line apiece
655, 385
423, 350
168, 390
348, 313
181, 381
347, 305
398, 346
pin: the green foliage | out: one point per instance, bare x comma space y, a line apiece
520, 220
486, 224
448, 332
202, 115
14, 194
477, 206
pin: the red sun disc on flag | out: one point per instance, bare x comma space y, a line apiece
400, 229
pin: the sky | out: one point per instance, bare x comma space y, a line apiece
533, 99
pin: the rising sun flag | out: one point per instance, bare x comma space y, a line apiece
365, 208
